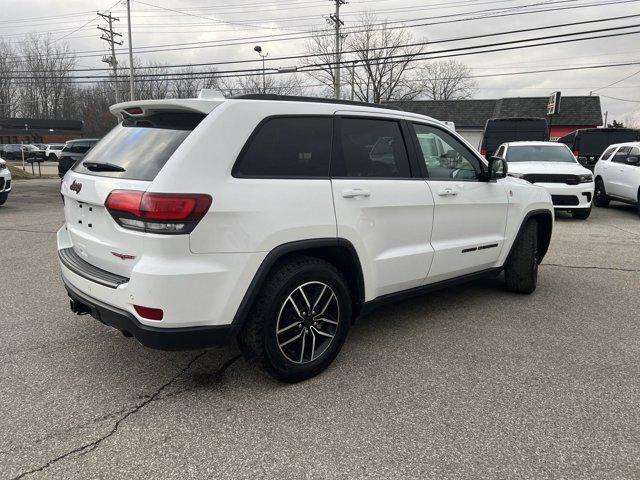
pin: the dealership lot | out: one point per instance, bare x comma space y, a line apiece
468, 382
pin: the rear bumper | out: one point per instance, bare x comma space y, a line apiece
186, 338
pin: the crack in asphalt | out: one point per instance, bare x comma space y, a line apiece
587, 267
88, 447
48, 232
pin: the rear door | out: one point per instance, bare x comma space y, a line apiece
629, 176
382, 206
128, 158
469, 216
616, 172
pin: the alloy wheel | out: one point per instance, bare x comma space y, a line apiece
307, 322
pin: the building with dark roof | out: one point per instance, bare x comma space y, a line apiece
39, 130
470, 116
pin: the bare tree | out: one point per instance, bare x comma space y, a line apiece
322, 46
445, 80
8, 87
46, 90
283, 84
385, 57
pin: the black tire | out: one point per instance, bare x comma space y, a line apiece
521, 269
600, 197
53, 158
265, 348
581, 214
3, 197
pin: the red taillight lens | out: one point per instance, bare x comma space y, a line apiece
157, 212
149, 313
483, 152
576, 153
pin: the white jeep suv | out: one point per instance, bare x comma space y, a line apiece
618, 175
552, 166
277, 221
5, 182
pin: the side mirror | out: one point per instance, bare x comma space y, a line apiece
633, 160
582, 160
497, 168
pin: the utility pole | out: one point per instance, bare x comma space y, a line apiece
109, 36
353, 79
335, 19
133, 97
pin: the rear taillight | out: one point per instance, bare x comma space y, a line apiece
576, 153
483, 152
166, 213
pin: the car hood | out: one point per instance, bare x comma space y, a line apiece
547, 167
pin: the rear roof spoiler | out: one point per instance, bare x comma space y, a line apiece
186, 105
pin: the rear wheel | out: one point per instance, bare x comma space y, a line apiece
581, 214
521, 269
299, 321
600, 198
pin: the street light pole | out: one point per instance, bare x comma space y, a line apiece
130, 51
264, 55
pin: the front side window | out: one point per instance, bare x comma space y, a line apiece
621, 155
539, 153
286, 147
608, 153
446, 157
371, 148
500, 152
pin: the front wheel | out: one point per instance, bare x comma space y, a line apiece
581, 214
299, 321
521, 269
3, 197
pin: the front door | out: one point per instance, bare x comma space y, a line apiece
383, 209
616, 173
469, 215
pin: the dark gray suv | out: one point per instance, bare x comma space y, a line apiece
73, 151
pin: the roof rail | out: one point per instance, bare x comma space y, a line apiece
296, 98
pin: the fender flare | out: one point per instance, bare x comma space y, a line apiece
545, 246
279, 252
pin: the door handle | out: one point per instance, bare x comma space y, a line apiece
355, 192
448, 192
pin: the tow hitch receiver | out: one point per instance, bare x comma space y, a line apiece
79, 308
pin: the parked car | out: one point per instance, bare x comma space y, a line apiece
501, 130
33, 154
5, 182
588, 144
617, 175
11, 151
553, 167
310, 212
53, 151
40, 146
73, 151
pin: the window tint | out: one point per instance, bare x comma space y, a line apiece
372, 149
539, 153
500, 152
450, 160
621, 155
288, 147
140, 145
607, 154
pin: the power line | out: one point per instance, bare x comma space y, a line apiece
620, 99
616, 82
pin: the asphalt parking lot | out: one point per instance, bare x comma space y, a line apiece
468, 382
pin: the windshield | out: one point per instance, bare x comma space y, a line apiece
140, 145
539, 153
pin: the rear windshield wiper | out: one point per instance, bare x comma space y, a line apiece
102, 167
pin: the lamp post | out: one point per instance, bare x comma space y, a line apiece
258, 50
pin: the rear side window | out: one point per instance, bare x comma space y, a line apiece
371, 149
621, 155
285, 147
139, 147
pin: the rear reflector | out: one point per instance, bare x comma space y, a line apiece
168, 213
149, 313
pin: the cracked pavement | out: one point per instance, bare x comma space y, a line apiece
469, 382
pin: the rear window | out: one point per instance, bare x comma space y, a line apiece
539, 153
286, 147
140, 145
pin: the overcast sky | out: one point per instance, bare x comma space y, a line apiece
232, 19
